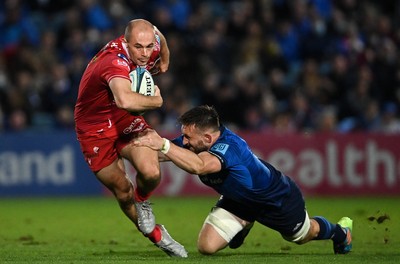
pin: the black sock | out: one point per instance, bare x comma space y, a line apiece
339, 235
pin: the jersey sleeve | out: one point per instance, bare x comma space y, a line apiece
226, 153
114, 66
178, 141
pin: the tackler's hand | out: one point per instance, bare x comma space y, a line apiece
149, 138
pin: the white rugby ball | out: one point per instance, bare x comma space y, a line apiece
142, 81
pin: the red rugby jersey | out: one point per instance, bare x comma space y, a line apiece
95, 105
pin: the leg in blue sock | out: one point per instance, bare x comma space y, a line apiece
328, 230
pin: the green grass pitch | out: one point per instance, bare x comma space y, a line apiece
94, 230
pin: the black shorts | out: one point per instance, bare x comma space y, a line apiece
287, 219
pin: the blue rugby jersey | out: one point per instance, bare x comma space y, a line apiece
243, 178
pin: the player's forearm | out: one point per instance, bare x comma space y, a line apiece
185, 159
164, 51
132, 102
137, 102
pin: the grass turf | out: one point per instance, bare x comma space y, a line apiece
94, 230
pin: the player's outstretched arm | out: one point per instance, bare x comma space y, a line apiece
202, 163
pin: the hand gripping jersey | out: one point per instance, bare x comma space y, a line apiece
95, 108
244, 178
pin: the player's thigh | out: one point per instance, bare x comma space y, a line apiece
143, 159
290, 217
218, 229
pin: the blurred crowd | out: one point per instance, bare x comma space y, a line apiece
266, 65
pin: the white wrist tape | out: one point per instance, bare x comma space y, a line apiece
165, 147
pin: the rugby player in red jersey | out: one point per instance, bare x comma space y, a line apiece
105, 125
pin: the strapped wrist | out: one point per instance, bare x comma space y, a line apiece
165, 147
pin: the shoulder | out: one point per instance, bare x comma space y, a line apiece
113, 60
230, 138
231, 146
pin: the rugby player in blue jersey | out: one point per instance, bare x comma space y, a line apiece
251, 189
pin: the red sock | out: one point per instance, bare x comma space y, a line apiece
155, 235
139, 197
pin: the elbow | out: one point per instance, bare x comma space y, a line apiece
197, 170
122, 104
159, 102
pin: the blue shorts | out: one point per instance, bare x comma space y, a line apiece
284, 219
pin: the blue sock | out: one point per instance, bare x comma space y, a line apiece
327, 230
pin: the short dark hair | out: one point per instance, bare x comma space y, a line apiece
202, 117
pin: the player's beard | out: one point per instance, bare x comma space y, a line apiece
200, 147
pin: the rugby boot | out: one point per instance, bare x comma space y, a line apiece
344, 247
146, 218
169, 245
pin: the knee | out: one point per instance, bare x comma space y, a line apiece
150, 173
206, 248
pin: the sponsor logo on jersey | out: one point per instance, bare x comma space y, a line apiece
220, 147
136, 126
120, 63
211, 180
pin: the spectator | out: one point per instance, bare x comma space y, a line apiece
313, 54
390, 123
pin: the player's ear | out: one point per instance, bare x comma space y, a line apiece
208, 138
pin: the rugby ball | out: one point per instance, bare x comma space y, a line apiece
142, 81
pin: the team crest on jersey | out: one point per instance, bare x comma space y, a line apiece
121, 63
220, 147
